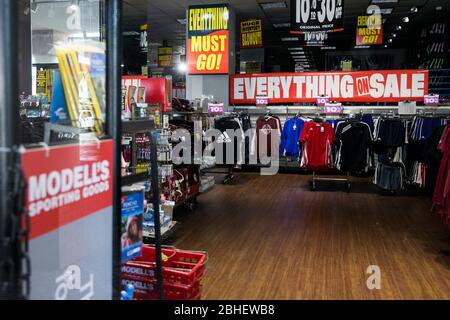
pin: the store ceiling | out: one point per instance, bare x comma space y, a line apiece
164, 16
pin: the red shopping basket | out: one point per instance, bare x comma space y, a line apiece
146, 290
181, 267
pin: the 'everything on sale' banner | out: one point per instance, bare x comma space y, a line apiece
208, 39
251, 34
361, 86
369, 30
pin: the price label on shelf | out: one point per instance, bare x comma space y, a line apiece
215, 108
333, 108
316, 15
431, 100
321, 101
262, 101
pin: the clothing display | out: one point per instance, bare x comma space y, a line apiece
266, 141
227, 125
441, 197
354, 140
390, 176
316, 139
292, 129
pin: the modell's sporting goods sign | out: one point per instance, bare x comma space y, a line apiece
208, 39
63, 185
361, 86
317, 15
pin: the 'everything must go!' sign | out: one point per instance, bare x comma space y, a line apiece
369, 30
208, 39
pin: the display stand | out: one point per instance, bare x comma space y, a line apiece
315, 178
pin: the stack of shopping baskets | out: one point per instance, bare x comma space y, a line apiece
182, 274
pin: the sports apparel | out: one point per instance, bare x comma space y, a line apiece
390, 132
354, 143
390, 176
289, 137
230, 140
441, 197
266, 141
317, 138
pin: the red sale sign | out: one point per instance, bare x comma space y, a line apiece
360, 86
67, 183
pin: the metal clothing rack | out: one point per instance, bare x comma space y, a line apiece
315, 178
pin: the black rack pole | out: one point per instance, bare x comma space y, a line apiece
10, 261
155, 201
114, 124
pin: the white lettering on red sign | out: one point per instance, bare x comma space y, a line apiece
360, 86
55, 189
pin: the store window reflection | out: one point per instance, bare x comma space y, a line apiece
67, 103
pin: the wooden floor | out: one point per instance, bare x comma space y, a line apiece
271, 238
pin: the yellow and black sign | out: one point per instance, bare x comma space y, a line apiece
251, 34
369, 30
44, 82
165, 57
208, 37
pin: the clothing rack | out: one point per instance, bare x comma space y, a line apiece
346, 180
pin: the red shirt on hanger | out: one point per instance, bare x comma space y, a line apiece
317, 138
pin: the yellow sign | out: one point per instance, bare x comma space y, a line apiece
369, 30
165, 57
251, 34
208, 37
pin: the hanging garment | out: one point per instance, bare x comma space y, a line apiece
289, 137
422, 127
230, 142
317, 138
354, 140
390, 176
266, 141
441, 197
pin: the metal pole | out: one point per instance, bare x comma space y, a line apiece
114, 123
10, 263
155, 201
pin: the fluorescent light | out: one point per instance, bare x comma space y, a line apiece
289, 39
439, 8
386, 10
297, 52
93, 34
328, 48
298, 48
281, 25
182, 21
414, 9
130, 33
384, 1
362, 47
182, 67
398, 28
273, 5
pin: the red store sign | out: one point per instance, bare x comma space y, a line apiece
360, 86
67, 183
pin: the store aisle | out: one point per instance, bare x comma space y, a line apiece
271, 238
